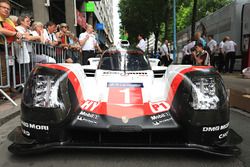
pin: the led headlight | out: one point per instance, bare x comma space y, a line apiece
204, 94
46, 92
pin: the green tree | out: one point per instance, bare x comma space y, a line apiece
142, 17
183, 17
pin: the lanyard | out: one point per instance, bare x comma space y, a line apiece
51, 36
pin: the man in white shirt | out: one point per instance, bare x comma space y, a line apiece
187, 52
165, 57
49, 34
221, 61
212, 44
88, 43
50, 39
229, 48
23, 51
142, 44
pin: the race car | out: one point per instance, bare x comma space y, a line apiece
122, 102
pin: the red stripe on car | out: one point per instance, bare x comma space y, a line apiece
178, 79
73, 79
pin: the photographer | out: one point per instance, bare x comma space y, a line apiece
200, 56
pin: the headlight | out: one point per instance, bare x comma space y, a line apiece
45, 91
204, 94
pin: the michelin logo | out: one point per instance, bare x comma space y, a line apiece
35, 126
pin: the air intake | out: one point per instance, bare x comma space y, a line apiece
89, 72
159, 73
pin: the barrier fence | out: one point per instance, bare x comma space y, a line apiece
18, 59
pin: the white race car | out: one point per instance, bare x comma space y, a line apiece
124, 100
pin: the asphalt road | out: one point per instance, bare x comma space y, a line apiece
129, 158
237, 83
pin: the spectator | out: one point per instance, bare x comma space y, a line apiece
49, 34
7, 28
200, 55
199, 39
40, 57
12, 57
14, 19
64, 35
165, 57
88, 43
221, 58
51, 40
76, 48
37, 30
142, 44
23, 28
212, 45
158, 53
229, 48
69, 42
24, 50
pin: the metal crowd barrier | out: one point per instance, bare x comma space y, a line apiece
5, 70
20, 57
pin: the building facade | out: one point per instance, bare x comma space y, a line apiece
104, 14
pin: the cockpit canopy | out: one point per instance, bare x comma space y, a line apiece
124, 60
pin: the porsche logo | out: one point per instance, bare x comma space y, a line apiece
125, 119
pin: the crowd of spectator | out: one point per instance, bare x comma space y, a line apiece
22, 30
198, 51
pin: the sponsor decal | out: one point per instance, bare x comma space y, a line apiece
159, 107
35, 126
27, 133
158, 122
223, 135
90, 105
89, 115
124, 85
160, 116
81, 118
215, 128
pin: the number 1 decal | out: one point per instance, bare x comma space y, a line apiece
125, 95
126, 92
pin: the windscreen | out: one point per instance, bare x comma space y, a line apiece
124, 60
